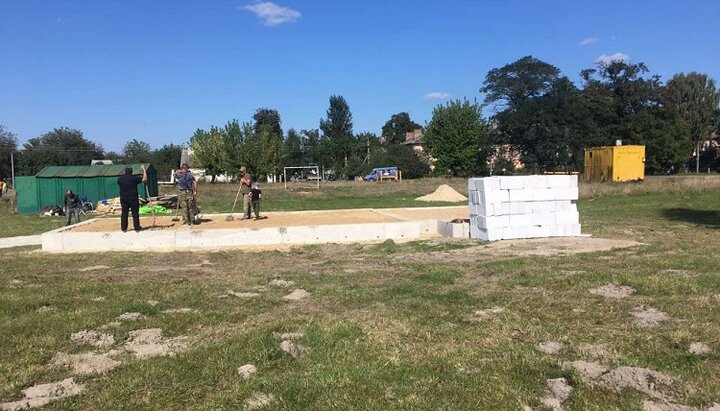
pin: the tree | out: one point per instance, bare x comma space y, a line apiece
394, 130
549, 131
268, 117
457, 137
517, 82
368, 147
136, 151
293, 150
166, 159
8, 145
270, 153
337, 131
695, 98
311, 146
60, 147
209, 151
627, 104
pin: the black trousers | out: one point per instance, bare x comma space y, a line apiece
129, 205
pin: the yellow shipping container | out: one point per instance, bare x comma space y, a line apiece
614, 163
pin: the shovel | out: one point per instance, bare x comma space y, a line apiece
230, 217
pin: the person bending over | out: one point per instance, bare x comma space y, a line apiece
72, 207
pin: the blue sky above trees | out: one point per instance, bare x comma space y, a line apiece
156, 71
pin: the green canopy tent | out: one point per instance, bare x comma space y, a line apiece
97, 182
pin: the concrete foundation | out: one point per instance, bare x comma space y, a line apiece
399, 225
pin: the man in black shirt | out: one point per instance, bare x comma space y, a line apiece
129, 197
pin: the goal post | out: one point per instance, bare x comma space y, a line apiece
307, 173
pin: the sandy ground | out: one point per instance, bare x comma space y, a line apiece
290, 218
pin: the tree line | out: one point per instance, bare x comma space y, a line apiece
264, 149
536, 113
65, 146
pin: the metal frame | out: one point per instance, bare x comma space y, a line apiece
316, 168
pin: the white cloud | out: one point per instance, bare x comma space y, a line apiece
271, 14
603, 59
437, 95
588, 41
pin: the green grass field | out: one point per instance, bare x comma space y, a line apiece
387, 326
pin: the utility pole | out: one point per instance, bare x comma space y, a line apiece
697, 159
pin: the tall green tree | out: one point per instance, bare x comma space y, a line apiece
8, 145
626, 103
549, 131
293, 150
337, 130
209, 151
311, 146
137, 151
61, 146
457, 137
394, 130
166, 159
268, 117
515, 83
695, 98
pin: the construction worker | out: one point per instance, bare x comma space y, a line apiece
129, 197
187, 191
246, 191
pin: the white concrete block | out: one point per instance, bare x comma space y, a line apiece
512, 182
493, 221
574, 180
569, 193
560, 181
541, 207
567, 217
512, 233
538, 231
475, 232
520, 194
473, 197
537, 181
546, 219
520, 220
519, 207
502, 208
484, 234
543, 194
481, 209
565, 205
497, 196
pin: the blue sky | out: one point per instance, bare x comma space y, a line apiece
158, 70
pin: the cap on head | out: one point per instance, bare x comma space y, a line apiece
243, 169
256, 185
128, 170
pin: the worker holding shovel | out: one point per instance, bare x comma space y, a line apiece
245, 190
187, 191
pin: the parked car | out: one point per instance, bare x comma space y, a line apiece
375, 173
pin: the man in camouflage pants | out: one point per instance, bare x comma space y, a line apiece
187, 190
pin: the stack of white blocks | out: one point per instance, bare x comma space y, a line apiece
512, 207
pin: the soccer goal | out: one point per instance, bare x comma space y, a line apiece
302, 174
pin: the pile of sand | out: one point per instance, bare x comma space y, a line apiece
443, 193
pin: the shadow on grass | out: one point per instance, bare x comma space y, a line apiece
709, 218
